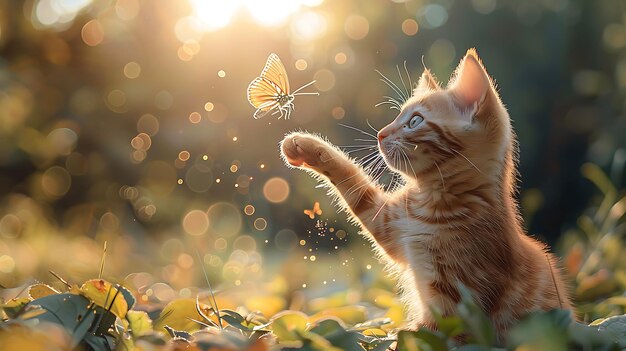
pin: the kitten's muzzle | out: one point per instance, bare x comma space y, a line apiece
382, 135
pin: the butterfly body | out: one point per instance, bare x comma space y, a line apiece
270, 93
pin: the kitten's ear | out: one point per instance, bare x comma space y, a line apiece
427, 82
470, 83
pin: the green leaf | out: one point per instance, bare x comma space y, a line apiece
235, 322
14, 306
100, 343
415, 340
128, 296
477, 323
68, 310
541, 331
177, 333
615, 328
333, 330
473, 348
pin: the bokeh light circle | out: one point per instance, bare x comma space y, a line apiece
56, 181
199, 178
356, 27
260, 224
286, 239
224, 219
276, 190
325, 79
196, 222
148, 124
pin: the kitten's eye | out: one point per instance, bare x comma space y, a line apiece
416, 120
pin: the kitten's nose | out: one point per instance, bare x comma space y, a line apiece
382, 135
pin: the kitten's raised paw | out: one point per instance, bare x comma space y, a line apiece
303, 150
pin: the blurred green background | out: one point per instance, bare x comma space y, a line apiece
127, 121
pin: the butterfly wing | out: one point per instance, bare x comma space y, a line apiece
317, 209
263, 95
309, 213
260, 113
274, 71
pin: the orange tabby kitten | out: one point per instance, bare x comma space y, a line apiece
456, 219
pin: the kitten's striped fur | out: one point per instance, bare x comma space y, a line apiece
456, 220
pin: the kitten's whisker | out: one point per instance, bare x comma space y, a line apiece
393, 86
408, 76
353, 146
358, 150
345, 180
443, 184
380, 209
357, 129
408, 160
365, 140
392, 107
374, 129
373, 164
407, 94
392, 101
407, 142
467, 159
369, 158
357, 187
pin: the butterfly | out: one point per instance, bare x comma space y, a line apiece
269, 92
316, 210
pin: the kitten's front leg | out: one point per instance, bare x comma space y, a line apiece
363, 196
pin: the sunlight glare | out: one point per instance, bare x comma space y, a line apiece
51, 13
271, 12
309, 25
214, 14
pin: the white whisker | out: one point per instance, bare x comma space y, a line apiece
357, 129
374, 129
443, 184
408, 76
467, 159
393, 86
407, 94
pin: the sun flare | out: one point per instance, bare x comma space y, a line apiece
217, 14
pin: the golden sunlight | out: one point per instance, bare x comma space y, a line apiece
217, 14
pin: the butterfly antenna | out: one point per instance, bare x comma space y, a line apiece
304, 86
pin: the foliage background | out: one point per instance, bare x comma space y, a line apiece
127, 121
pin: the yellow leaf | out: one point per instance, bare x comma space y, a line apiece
177, 314
396, 314
102, 294
349, 314
267, 305
38, 291
289, 325
375, 332
139, 322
